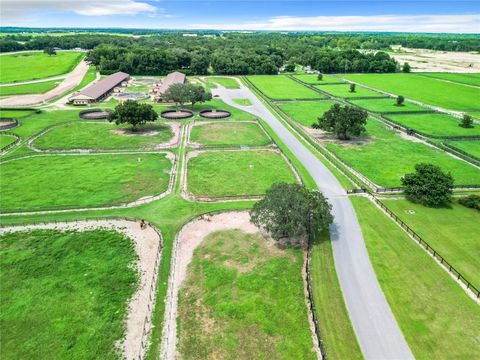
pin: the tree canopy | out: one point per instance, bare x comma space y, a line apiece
429, 185
181, 94
291, 213
344, 121
134, 113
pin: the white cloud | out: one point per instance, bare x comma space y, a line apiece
402, 23
12, 10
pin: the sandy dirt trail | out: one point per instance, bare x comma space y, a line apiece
147, 243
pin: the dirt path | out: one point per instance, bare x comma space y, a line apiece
186, 241
147, 243
72, 80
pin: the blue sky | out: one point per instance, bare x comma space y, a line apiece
360, 15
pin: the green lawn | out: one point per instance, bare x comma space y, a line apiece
428, 90
282, 88
57, 182
104, 136
37, 65
225, 82
236, 173
435, 124
438, 319
384, 157
35, 88
6, 140
313, 79
339, 340
306, 112
64, 294
386, 105
469, 79
244, 102
229, 133
453, 232
243, 297
9, 113
343, 91
471, 147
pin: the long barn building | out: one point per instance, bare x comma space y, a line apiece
99, 90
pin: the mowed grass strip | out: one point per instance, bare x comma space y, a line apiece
313, 79
282, 87
427, 90
384, 157
339, 340
343, 91
471, 147
386, 105
35, 88
435, 124
64, 294
306, 112
244, 102
6, 140
245, 297
104, 136
229, 133
228, 83
236, 173
438, 319
453, 232
75, 181
37, 65
469, 79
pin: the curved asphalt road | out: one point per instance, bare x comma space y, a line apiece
375, 326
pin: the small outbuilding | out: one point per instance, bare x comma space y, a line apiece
99, 90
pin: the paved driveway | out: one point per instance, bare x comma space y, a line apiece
377, 331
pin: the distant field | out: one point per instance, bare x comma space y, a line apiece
37, 65
103, 136
225, 82
386, 105
313, 79
471, 147
451, 231
282, 88
236, 173
343, 90
438, 319
385, 157
306, 112
428, 90
469, 79
435, 124
6, 140
64, 294
35, 88
229, 133
78, 181
243, 297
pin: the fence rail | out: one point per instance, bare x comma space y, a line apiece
9, 146
451, 269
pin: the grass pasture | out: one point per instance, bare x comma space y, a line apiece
75, 181
306, 112
469, 79
424, 89
434, 124
64, 294
13, 114
236, 173
6, 140
384, 157
226, 82
343, 91
103, 136
282, 87
471, 147
438, 319
229, 133
451, 231
312, 79
386, 105
35, 88
37, 65
243, 297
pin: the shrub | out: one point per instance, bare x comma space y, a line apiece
352, 87
470, 201
400, 100
467, 122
